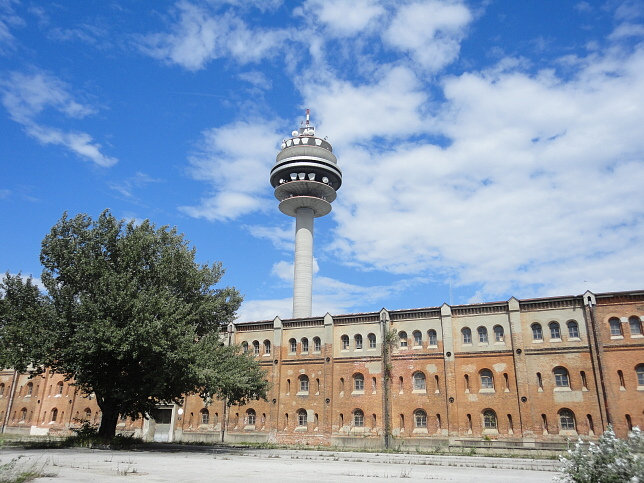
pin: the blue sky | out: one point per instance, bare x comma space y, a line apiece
489, 149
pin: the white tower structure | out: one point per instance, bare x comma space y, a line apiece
305, 177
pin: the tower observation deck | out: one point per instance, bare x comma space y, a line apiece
306, 177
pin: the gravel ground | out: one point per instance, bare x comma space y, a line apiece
228, 464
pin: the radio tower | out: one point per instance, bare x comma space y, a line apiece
305, 177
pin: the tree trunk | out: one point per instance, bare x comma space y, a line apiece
109, 418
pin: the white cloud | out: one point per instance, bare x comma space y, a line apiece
329, 295
201, 34
28, 96
539, 189
354, 113
128, 186
8, 19
343, 18
235, 159
430, 31
280, 237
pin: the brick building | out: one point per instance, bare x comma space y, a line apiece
525, 372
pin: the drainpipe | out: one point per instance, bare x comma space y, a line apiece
595, 354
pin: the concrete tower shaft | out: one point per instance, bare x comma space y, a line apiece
306, 177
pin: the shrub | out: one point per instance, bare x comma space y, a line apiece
611, 460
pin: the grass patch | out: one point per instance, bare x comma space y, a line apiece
17, 471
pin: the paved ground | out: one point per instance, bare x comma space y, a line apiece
203, 464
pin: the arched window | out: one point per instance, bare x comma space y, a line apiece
573, 329
358, 418
555, 332
498, 334
256, 347
372, 341
345, 342
30, 389
482, 335
292, 346
487, 379
54, 415
245, 346
305, 345
402, 335
301, 417
88, 414
317, 344
636, 325
467, 335
2, 389
418, 338
431, 336
204, 416
358, 382
567, 420
23, 414
251, 417
615, 327
267, 347
537, 334
489, 419
419, 381
561, 377
639, 370
304, 383
59, 389
420, 418
358, 340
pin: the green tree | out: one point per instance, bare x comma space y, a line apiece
21, 303
135, 320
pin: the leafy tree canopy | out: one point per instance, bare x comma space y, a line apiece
130, 317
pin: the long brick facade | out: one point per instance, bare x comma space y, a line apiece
526, 372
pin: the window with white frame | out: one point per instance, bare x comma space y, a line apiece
561, 377
420, 418
358, 341
317, 344
487, 379
489, 419
419, 381
358, 382
305, 345
636, 325
567, 420
615, 327
402, 336
267, 347
555, 332
482, 335
345, 342
292, 346
301, 417
498, 333
418, 338
256, 347
432, 338
537, 333
573, 329
358, 418
304, 383
639, 370
372, 341
467, 335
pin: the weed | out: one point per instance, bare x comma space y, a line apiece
16, 471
